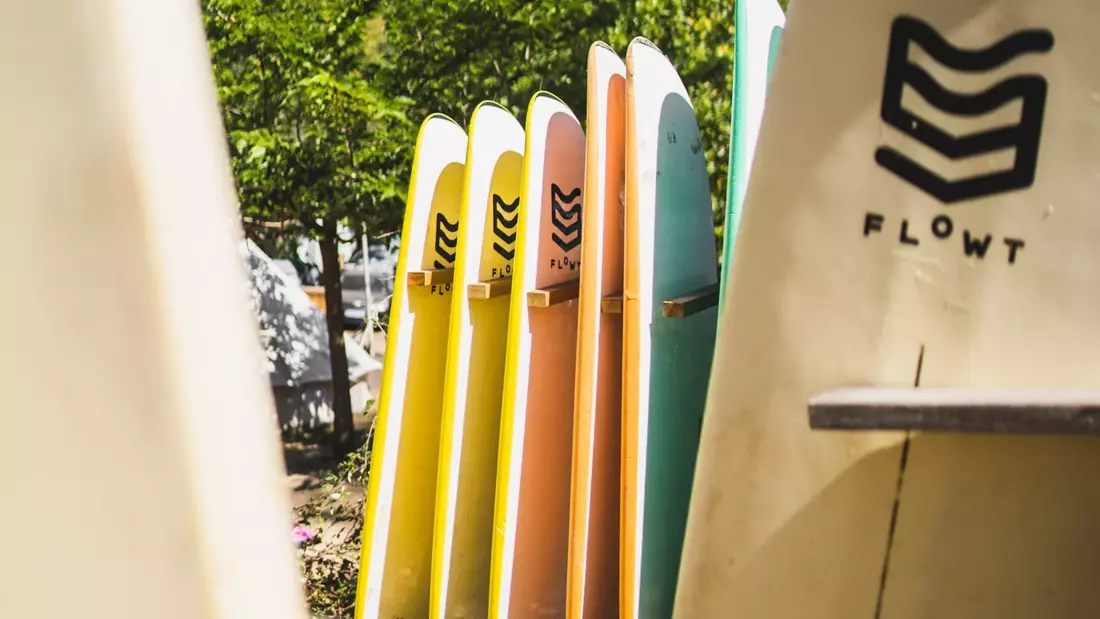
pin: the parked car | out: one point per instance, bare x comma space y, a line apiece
382, 265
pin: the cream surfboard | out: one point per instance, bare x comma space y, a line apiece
593, 575
945, 237
475, 366
758, 27
395, 567
146, 456
530, 543
670, 257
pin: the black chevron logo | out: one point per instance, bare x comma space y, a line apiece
502, 225
559, 217
1024, 136
444, 242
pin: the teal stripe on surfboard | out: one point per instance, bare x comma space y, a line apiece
758, 28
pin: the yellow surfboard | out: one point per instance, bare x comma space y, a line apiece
593, 576
940, 232
144, 475
395, 566
530, 542
475, 365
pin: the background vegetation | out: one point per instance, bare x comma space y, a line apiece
322, 99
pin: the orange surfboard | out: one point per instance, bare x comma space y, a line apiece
593, 574
530, 542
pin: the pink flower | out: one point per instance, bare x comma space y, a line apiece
301, 535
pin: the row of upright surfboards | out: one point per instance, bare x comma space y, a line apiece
872, 251
550, 344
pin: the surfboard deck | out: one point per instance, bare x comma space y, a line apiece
593, 574
758, 27
475, 367
669, 253
395, 567
530, 546
146, 455
882, 267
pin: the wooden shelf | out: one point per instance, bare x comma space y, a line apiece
431, 277
612, 304
998, 411
552, 295
489, 289
693, 303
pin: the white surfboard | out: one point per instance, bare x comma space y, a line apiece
942, 233
145, 475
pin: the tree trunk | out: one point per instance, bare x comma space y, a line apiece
342, 425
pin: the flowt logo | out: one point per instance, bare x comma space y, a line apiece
956, 143
504, 228
565, 222
1029, 89
445, 245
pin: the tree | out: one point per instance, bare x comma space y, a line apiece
448, 55
313, 142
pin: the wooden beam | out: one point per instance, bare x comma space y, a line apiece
489, 289
552, 295
612, 304
693, 303
431, 277
999, 411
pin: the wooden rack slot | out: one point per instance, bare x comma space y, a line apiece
998, 411
552, 295
431, 277
693, 303
489, 289
612, 304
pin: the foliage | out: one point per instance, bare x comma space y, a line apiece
448, 55
310, 137
314, 144
330, 562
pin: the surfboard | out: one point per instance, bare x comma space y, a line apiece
593, 574
145, 453
670, 257
758, 27
531, 537
462, 548
939, 240
395, 567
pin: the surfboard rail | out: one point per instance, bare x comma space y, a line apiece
970, 410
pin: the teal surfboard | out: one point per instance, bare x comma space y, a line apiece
758, 28
668, 343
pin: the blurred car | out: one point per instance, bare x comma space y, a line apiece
382, 266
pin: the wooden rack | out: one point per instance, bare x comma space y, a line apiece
996, 411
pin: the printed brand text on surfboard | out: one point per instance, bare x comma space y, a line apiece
942, 228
